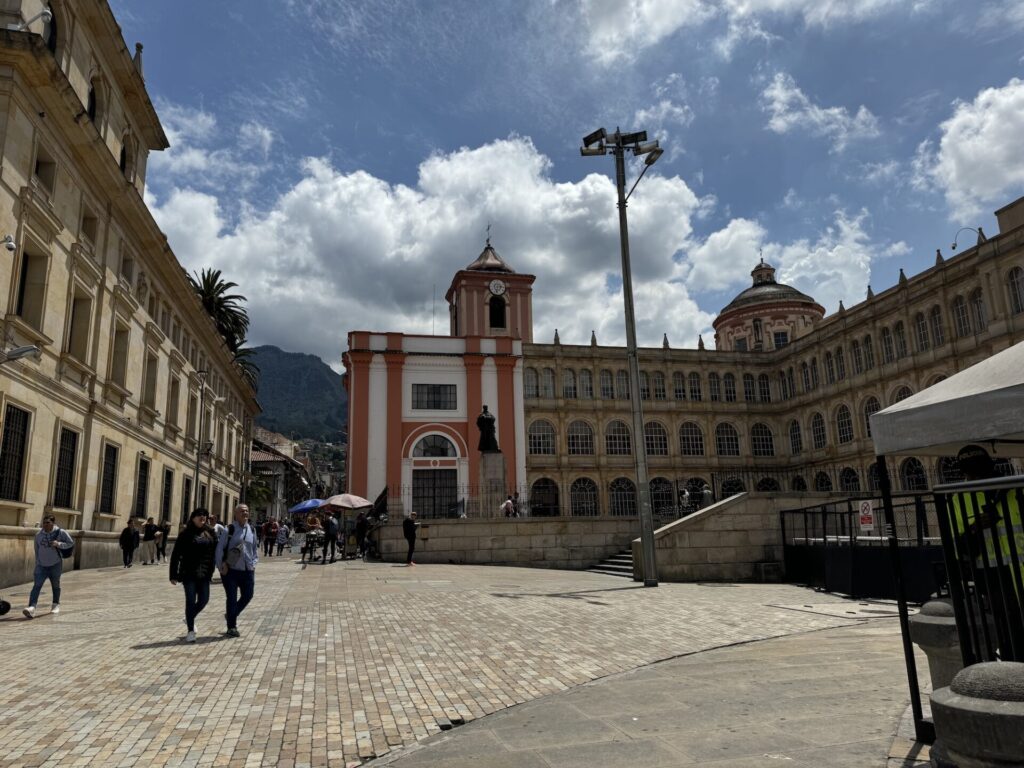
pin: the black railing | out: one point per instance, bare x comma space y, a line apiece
983, 543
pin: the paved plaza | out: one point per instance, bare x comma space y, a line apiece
349, 662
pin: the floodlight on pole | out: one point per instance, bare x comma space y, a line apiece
979, 232
618, 143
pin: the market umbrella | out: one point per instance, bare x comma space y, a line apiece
305, 506
347, 501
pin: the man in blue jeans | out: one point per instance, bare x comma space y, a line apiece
237, 555
49, 563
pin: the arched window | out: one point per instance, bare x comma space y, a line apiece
583, 497
569, 384
961, 318
921, 332
796, 438
764, 388
849, 480
530, 383
949, 470
497, 312
858, 357
913, 476
607, 386
978, 309
748, 388
586, 384
869, 353
616, 439
792, 382
871, 406
888, 350
873, 482
762, 442
580, 439
818, 435
658, 380
805, 370
1015, 285
645, 386
714, 387
622, 497
663, 496
541, 438
622, 385
730, 388
830, 368
899, 334
727, 440
655, 439
840, 364
822, 483
768, 485
731, 486
783, 386
695, 394
938, 329
544, 498
547, 382
902, 394
678, 386
691, 439
798, 484
844, 425
434, 446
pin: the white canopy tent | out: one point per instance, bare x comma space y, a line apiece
983, 404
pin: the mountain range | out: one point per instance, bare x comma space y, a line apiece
301, 395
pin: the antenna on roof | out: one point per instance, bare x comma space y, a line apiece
488, 233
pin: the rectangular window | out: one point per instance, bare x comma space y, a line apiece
202, 495
434, 397
435, 493
64, 478
119, 356
149, 381
186, 498
31, 297
607, 387
45, 171
173, 396
193, 411
781, 339
127, 270
90, 228
108, 486
78, 332
168, 492
740, 345
12, 452
142, 488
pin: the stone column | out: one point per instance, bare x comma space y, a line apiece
493, 487
934, 630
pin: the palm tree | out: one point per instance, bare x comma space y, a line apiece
250, 371
225, 308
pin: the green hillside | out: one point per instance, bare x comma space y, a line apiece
300, 394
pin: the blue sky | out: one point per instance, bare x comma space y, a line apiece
340, 158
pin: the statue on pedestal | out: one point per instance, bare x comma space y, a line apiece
488, 441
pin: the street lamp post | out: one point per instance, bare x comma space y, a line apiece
600, 143
199, 436
20, 352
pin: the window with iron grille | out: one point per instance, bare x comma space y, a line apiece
186, 498
783, 386
1015, 284
978, 310
869, 353
645, 386
616, 439
435, 493
580, 439
913, 475
434, 397
691, 439
921, 332
938, 331
727, 440
830, 368
13, 452
902, 394
541, 438
64, 477
849, 482
714, 387
695, 394
586, 384
663, 496
434, 446
815, 380
888, 351
108, 484
822, 483
871, 405
569, 384
748, 388
858, 357
900, 335
818, 434
678, 386
781, 339
622, 385
142, 488
531, 386
792, 382
844, 424
622, 497
607, 387
762, 442
167, 494
655, 439
764, 388
659, 385
961, 319
583, 499
796, 439
840, 364
805, 371
730, 387
547, 383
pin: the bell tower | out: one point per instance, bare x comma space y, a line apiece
489, 298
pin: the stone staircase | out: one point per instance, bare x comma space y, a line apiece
616, 565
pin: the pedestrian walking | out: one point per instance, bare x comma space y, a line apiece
149, 532
192, 564
270, 529
508, 507
331, 529
52, 546
409, 526
314, 539
237, 556
284, 533
129, 542
162, 538
362, 526
708, 497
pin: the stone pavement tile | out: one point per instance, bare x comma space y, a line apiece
870, 753
532, 733
711, 744
639, 752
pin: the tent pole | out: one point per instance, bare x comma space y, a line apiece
924, 731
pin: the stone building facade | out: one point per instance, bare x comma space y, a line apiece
133, 381
783, 402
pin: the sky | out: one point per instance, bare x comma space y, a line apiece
341, 159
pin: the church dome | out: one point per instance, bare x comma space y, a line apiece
766, 291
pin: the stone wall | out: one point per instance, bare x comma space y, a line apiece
570, 543
737, 539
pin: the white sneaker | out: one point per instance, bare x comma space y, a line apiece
55, 610
29, 612
190, 637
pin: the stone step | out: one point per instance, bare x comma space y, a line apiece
620, 564
626, 574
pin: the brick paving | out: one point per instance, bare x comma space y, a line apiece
342, 663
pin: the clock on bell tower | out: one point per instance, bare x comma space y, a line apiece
489, 298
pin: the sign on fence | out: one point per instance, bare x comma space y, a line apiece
867, 515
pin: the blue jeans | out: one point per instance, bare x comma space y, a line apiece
42, 573
236, 582
197, 595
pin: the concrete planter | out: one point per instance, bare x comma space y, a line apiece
934, 630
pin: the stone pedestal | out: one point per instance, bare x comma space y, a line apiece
493, 488
979, 718
934, 630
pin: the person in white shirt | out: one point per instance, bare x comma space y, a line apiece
236, 559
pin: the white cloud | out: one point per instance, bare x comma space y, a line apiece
724, 259
977, 162
887, 172
790, 109
256, 136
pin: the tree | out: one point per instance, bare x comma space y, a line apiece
230, 317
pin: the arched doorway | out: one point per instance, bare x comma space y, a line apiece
435, 478
544, 498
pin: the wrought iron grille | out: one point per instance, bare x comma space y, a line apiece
12, 452
64, 479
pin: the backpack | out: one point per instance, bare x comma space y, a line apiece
233, 555
65, 553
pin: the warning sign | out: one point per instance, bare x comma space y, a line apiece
867, 515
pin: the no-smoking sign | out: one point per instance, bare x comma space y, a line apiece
867, 515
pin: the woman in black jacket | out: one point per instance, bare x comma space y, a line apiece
192, 565
129, 541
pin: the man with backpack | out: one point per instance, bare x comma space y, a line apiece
52, 545
331, 529
236, 558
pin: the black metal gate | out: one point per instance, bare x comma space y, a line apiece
435, 492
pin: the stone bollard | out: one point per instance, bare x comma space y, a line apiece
934, 630
979, 718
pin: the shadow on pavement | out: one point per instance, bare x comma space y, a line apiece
179, 641
580, 594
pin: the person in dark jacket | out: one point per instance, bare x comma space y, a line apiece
162, 539
362, 526
409, 526
129, 542
331, 530
192, 563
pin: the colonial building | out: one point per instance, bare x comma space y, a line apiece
782, 403
133, 382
